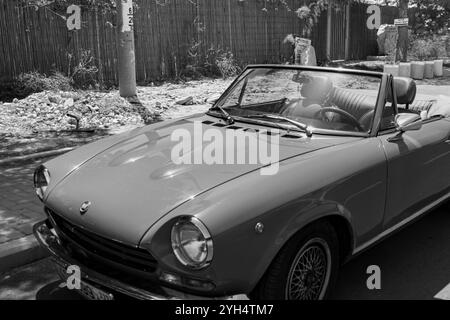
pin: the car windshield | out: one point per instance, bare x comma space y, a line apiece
320, 100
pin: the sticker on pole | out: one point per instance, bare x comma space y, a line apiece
127, 15
401, 22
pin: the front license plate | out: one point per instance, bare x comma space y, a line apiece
86, 290
92, 293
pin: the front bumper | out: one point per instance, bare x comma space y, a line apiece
49, 241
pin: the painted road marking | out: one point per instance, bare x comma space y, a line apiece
444, 294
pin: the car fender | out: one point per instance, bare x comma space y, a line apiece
284, 204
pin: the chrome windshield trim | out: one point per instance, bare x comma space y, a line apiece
288, 127
371, 133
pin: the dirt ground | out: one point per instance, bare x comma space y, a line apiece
40, 122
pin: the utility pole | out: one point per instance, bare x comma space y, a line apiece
403, 41
127, 62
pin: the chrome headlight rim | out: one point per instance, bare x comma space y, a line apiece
178, 250
40, 188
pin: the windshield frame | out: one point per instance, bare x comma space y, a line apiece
250, 68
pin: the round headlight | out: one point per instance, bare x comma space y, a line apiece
41, 181
192, 243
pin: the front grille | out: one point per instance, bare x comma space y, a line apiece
94, 246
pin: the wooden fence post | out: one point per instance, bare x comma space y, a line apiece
329, 21
229, 26
99, 52
347, 31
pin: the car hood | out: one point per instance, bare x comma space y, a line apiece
134, 183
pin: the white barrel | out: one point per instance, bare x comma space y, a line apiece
438, 68
417, 70
392, 69
429, 70
404, 70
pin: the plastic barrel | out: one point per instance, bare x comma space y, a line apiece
429, 69
392, 69
404, 70
417, 70
438, 68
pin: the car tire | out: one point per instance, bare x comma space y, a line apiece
306, 268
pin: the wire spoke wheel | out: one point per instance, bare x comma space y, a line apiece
310, 271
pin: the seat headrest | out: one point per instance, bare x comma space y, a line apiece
318, 88
405, 89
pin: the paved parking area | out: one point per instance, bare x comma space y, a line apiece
20, 208
414, 263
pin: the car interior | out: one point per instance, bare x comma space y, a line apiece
322, 104
320, 94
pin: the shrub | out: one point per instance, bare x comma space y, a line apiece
34, 81
84, 73
423, 48
215, 62
195, 67
227, 65
81, 76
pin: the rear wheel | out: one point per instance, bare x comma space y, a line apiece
305, 269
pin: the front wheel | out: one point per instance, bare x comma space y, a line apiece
305, 269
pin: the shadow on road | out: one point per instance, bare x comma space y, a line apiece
52, 291
415, 263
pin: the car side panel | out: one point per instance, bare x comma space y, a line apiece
347, 180
419, 168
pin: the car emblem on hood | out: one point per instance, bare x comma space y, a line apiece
85, 207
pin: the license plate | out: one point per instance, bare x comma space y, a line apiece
92, 293
86, 290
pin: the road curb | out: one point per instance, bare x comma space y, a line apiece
19, 252
38, 155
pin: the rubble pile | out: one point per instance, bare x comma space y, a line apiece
46, 111
59, 111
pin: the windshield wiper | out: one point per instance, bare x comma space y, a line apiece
228, 118
299, 125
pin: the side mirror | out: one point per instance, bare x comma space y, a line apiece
408, 122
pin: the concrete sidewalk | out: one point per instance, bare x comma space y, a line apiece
20, 209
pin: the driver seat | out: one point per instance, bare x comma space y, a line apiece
362, 107
316, 92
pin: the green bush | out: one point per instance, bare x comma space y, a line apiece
215, 62
227, 65
84, 73
425, 48
32, 82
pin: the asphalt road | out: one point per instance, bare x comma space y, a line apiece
414, 264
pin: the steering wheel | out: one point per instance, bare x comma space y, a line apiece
341, 112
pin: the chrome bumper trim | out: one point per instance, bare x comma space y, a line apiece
49, 241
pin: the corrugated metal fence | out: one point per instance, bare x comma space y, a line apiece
253, 30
